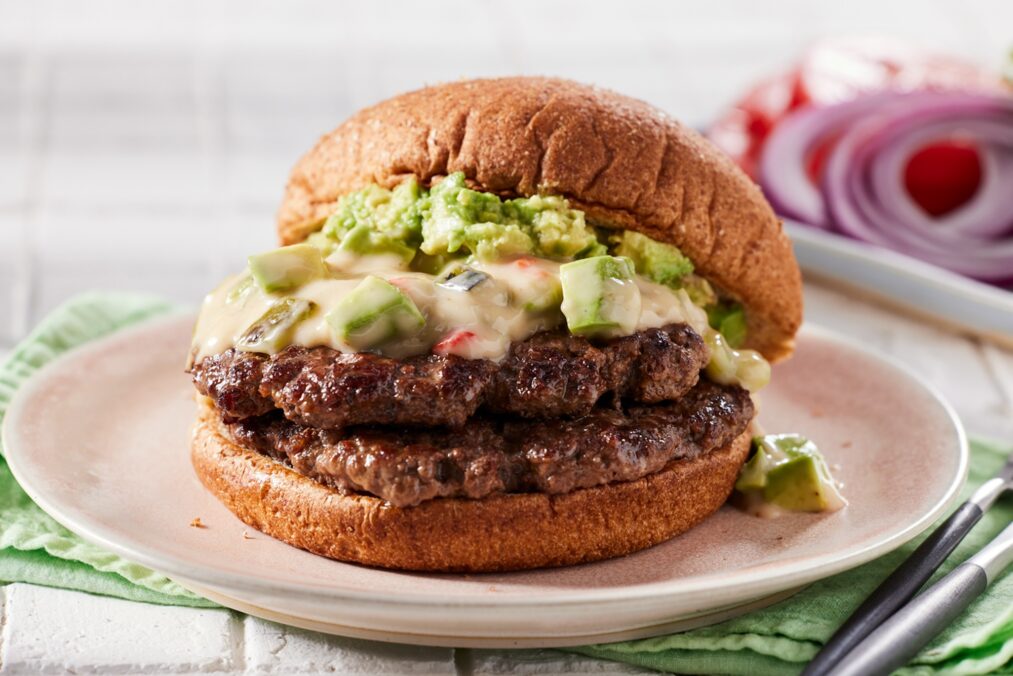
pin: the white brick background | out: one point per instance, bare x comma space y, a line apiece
144, 146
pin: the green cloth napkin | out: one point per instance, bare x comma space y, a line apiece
33, 547
776, 640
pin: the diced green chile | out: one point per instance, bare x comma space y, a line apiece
273, 330
465, 279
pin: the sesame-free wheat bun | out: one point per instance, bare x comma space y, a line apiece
623, 162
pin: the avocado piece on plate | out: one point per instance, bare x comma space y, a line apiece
789, 471
797, 485
373, 313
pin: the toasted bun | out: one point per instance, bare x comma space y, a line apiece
623, 162
505, 532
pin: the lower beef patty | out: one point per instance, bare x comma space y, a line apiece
495, 455
549, 375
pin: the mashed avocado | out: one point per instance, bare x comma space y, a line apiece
452, 220
456, 218
664, 264
376, 220
661, 263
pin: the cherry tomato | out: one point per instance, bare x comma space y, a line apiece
943, 176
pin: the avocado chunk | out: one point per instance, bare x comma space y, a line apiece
728, 319
789, 471
273, 330
600, 296
287, 267
373, 313
797, 485
661, 263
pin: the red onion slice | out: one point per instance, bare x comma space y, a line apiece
870, 203
982, 216
863, 195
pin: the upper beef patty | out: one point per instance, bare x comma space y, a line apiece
549, 375
496, 455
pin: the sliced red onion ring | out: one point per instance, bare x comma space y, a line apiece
863, 193
782, 167
982, 217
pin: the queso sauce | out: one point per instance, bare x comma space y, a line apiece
477, 324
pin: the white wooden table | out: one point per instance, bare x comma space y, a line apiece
144, 145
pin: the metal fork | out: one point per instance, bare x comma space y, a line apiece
901, 586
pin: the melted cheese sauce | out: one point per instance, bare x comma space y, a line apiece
476, 324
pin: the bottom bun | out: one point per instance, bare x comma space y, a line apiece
505, 532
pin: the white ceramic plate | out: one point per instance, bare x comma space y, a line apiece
99, 440
916, 286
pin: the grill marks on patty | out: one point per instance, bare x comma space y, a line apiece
493, 454
536, 422
549, 375
321, 387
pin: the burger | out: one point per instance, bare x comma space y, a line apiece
512, 323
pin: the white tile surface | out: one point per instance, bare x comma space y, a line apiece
54, 631
274, 648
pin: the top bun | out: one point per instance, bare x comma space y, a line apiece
623, 162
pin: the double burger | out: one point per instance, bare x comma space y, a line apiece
513, 323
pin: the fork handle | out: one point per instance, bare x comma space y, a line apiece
897, 589
901, 637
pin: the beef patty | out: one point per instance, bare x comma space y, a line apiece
494, 454
550, 375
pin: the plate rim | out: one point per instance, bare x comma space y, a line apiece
807, 570
498, 640
960, 302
